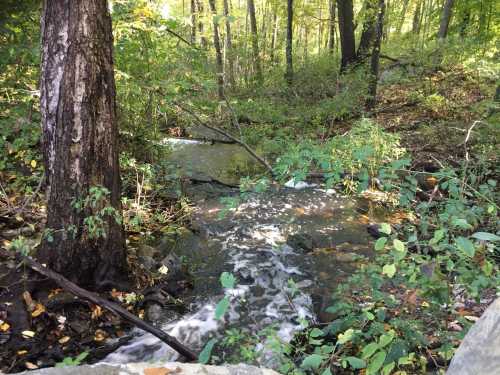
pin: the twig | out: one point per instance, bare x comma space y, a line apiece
111, 306
464, 180
217, 130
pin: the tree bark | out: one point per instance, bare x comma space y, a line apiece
201, 28
255, 41
229, 46
402, 17
346, 28
218, 52
331, 33
80, 143
368, 33
445, 19
417, 17
193, 22
289, 42
375, 58
274, 36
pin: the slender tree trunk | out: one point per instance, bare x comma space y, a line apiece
219, 63
83, 242
255, 40
289, 42
274, 36
201, 27
416, 17
368, 33
445, 19
402, 17
346, 28
331, 33
229, 46
193, 21
375, 58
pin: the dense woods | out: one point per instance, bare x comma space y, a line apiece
388, 106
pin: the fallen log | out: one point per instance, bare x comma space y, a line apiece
108, 305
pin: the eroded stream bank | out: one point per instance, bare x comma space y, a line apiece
287, 248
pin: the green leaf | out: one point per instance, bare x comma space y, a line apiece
355, 362
389, 270
399, 246
327, 372
386, 339
369, 350
377, 362
485, 236
438, 236
312, 361
205, 354
316, 332
461, 223
388, 368
385, 228
380, 243
345, 337
227, 280
221, 308
465, 245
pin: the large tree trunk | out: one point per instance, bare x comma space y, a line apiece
289, 42
80, 144
346, 28
375, 58
331, 33
229, 46
368, 33
417, 17
255, 40
445, 19
218, 52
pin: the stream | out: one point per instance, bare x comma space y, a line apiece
306, 234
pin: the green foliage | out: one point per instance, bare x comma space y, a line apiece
69, 361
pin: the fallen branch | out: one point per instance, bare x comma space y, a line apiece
111, 306
222, 132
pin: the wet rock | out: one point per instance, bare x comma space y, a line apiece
173, 263
479, 352
142, 368
301, 241
79, 326
10, 234
153, 312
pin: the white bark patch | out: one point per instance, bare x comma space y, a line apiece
79, 93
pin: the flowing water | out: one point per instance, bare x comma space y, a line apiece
259, 243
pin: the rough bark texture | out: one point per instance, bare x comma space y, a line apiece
229, 46
368, 33
289, 42
346, 28
445, 19
218, 52
331, 33
80, 144
255, 40
375, 58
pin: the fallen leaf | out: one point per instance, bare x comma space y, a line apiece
30, 366
39, 309
100, 335
4, 326
22, 352
471, 318
30, 305
64, 340
96, 311
28, 334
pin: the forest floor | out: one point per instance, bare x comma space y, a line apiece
41, 325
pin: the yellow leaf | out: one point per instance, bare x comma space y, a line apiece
22, 352
100, 335
64, 340
4, 326
425, 304
96, 312
33, 164
39, 309
28, 334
